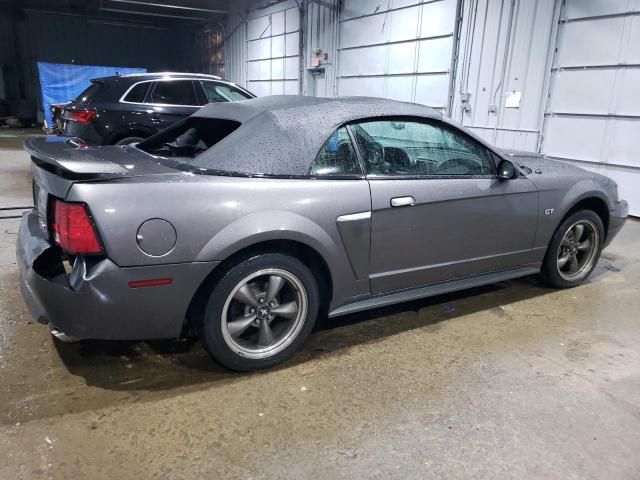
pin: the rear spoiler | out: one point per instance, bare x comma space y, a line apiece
61, 153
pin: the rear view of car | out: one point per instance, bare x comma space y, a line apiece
127, 109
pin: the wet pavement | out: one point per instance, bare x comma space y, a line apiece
512, 380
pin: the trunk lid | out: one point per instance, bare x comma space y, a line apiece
58, 163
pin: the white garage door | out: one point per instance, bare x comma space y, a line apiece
593, 115
273, 46
399, 49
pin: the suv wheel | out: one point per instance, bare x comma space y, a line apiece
574, 250
260, 312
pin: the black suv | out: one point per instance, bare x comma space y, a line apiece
128, 108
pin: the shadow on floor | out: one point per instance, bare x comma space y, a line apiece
176, 364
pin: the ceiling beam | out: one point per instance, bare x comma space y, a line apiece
177, 7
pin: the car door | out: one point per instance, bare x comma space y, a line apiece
438, 210
171, 100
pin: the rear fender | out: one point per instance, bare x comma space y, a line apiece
269, 225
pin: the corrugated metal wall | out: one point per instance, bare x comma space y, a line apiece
321, 32
273, 51
504, 52
397, 49
507, 71
593, 114
235, 45
262, 47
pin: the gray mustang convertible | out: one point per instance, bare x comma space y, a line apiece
245, 220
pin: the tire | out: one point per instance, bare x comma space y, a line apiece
129, 140
558, 267
245, 293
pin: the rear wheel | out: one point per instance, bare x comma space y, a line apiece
260, 312
574, 250
129, 140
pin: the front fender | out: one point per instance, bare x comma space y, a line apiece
555, 203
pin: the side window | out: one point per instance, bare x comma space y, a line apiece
137, 93
399, 147
174, 92
219, 92
337, 156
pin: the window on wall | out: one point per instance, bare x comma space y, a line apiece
398, 147
337, 156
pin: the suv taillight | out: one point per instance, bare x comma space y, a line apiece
81, 116
73, 229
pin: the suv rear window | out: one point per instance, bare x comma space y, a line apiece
89, 93
187, 139
138, 93
174, 92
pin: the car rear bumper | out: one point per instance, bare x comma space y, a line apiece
95, 300
617, 217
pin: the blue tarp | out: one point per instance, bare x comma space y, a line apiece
61, 82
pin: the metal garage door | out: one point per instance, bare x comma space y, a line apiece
593, 114
273, 46
397, 49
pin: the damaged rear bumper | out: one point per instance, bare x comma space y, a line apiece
95, 300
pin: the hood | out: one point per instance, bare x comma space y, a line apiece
532, 162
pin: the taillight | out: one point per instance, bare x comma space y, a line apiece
81, 116
73, 229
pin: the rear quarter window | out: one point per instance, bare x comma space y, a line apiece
187, 139
89, 94
138, 93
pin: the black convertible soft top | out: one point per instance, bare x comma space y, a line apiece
281, 135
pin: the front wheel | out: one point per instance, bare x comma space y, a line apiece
574, 250
260, 312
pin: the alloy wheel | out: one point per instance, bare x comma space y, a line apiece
264, 313
578, 250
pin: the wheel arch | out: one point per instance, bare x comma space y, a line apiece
295, 248
589, 201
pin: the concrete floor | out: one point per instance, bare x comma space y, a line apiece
508, 381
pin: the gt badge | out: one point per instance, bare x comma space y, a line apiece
549, 211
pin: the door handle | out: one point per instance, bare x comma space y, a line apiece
403, 201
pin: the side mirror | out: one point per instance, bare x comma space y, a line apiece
507, 170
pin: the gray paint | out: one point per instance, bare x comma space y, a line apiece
156, 237
459, 228
96, 301
355, 233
